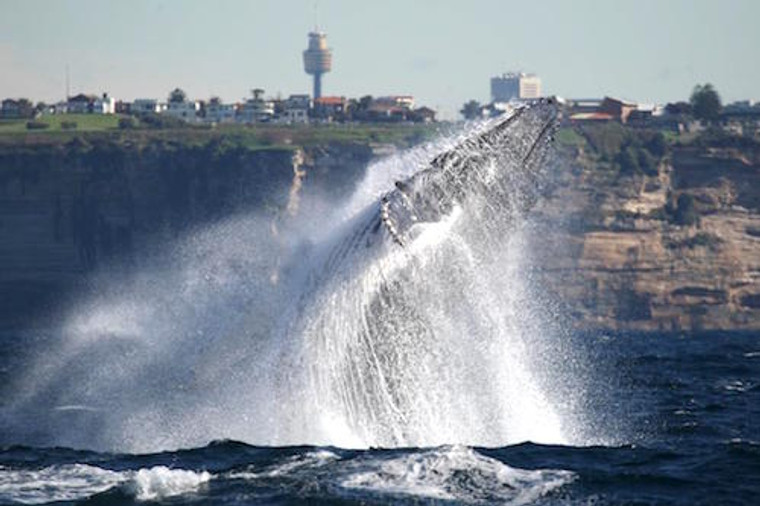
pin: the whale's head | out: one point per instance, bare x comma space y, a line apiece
501, 164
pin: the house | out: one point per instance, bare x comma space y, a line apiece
423, 115
186, 110
256, 109
583, 105
402, 101
386, 111
81, 104
330, 108
296, 109
217, 112
617, 108
146, 105
104, 105
590, 117
13, 108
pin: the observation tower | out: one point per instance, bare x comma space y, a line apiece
317, 59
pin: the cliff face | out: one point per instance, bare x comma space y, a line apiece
671, 245
675, 250
65, 209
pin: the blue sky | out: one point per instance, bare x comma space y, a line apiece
442, 52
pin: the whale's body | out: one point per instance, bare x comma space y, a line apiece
488, 164
494, 173
400, 284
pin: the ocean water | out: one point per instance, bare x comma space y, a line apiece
687, 408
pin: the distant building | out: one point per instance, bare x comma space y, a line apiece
91, 104
515, 86
619, 109
590, 117
583, 105
217, 112
186, 110
81, 104
256, 109
104, 104
423, 115
11, 108
146, 105
296, 109
402, 101
329, 108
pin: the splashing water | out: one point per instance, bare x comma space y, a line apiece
398, 319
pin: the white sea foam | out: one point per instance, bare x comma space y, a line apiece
69, 482
295, 464
72, 482
451, 473
160, 482
454, 473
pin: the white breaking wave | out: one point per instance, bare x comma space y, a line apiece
56, 483
455, 473
160, 481
72, 482
452, 473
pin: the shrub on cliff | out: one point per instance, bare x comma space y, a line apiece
127, 123
628, 161
685, 212
159, 121
705, 103
36, 125
647, 162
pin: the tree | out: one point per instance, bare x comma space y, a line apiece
471, 110
628, 161
686, 211
365, 102
657, 145
25, 108
705, 103
177, 96
127, 123
678, 108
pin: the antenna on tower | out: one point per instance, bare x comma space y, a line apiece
316, 16
68, 91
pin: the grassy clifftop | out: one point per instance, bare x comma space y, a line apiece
59, 130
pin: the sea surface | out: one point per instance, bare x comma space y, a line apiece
688, 408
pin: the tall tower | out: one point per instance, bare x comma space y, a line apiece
317, 59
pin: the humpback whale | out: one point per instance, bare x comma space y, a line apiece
495, 174
387, 317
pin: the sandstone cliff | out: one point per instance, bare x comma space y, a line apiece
675, 249
66, 208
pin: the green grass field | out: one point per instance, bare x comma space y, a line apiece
261, 136
84, 123
570, 137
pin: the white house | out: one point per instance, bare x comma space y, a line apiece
256, 110
104, 105
217, 112
296, 109
146, 105
187, 110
